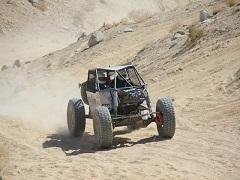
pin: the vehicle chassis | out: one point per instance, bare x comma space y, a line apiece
118, 96
126, 120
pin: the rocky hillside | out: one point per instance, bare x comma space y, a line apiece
32, 28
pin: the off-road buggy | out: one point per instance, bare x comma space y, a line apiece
117, 96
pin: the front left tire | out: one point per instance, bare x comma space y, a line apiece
76, 119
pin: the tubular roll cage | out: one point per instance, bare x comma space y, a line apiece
116, 71
121, 120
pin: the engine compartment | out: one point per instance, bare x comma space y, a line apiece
129, 101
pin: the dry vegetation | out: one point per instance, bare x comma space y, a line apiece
231, 3
195, 33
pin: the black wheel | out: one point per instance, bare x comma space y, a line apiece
165, 107
84, 93
102, 125
76, 117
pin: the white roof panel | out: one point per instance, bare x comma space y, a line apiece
115, 68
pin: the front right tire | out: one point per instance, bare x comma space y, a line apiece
165, 108
102, 125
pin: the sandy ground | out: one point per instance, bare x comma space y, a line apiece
203, 81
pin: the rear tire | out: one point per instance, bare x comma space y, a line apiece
76, 117
102, 125
84, 93
165, 107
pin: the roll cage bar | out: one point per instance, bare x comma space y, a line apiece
117, 73
93, 81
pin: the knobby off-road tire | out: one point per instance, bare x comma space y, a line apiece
76, 119
165, 107
84, 93
102, 125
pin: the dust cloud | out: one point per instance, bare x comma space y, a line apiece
42, 103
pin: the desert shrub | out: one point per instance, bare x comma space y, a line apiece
103, 1
195, 33
231, 3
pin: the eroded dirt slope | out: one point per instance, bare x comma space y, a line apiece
28, 32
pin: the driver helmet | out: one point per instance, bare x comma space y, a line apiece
112, 75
